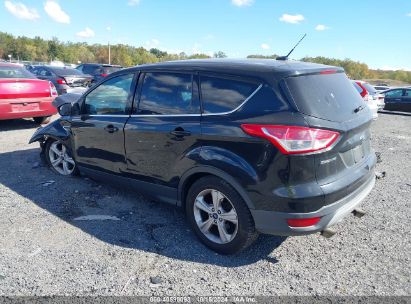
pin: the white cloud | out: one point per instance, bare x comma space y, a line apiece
86, 33
209, 37
153, 43
108, 28
321, 27
409, 14
242, 2
294, 19
21, 11
133, 2
55, 12
265, 46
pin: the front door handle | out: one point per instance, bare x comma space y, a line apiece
111, 129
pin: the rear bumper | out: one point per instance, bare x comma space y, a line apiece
26, 108
271, 222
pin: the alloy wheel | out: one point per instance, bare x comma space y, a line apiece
61, 161
215, 216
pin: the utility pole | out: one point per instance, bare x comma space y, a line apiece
109, 53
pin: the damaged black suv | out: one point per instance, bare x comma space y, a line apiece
244, 146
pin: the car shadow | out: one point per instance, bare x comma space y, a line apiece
400, 113
17, 124
132, 221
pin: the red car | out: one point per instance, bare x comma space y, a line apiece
22, 95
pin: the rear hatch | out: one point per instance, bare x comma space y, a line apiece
328, 100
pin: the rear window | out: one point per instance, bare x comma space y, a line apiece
15, 72
222, 95
66, 71
109, 70
357, 87
329, 96
370, 89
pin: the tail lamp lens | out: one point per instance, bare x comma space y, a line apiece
293, 139
53, 90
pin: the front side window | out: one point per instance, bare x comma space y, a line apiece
393, 93
167, 94
109, 98
221, 95
407, 93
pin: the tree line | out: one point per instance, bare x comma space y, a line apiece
41, 50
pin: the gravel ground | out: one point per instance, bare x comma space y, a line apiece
146, 248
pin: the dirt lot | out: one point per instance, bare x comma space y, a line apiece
145, 247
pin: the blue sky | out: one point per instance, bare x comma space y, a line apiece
374, 32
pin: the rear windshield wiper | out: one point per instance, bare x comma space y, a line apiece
356, 110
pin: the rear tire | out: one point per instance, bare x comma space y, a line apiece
59, 158
219, 216
42, 120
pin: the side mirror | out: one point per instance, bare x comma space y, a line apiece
65, 109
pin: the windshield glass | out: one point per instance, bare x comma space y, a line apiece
327, 96
15, 72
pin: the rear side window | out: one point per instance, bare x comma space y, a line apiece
220, 95
326, 96
168, 94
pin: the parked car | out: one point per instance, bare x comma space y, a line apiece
66, 80
370, 96
98, 71
22, 95
244, 146
398, 99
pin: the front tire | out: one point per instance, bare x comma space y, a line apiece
42, 120
59, 158
219, 216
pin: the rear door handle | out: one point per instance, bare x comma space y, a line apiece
179, 132
111, 129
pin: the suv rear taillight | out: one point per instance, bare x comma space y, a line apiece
61, 81
53, 90
294, 139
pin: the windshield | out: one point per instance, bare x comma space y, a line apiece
15, 72
327, 96
65, 71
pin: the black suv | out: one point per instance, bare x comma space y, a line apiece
244, 146
97, 70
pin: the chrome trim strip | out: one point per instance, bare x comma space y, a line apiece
187, 115
106, 115
236, 109
166, 115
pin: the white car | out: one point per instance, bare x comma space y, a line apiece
371, 97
